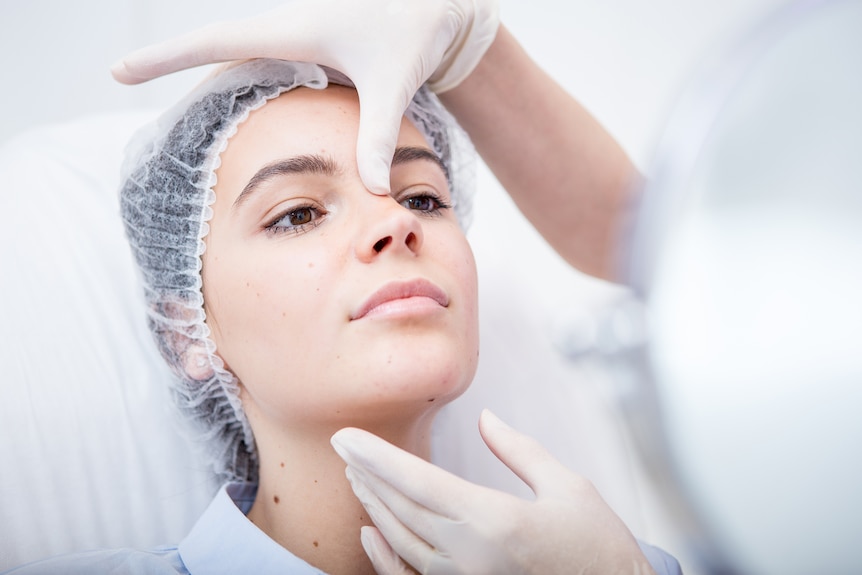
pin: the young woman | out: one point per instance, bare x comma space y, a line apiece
291, 303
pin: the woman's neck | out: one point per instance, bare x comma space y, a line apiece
304, 501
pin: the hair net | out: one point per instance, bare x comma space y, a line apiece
165, 198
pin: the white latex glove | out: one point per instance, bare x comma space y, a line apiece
388, 48
440, 524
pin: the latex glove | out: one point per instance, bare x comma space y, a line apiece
388, 48
438, 523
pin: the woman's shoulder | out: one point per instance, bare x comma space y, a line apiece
158, 561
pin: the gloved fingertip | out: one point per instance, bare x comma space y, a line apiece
379, 189
375, 175
121, 73
488, 417
353, 477
365, 495
370, 545
383, 558
340, 446
349, 444
368, 537
345, 439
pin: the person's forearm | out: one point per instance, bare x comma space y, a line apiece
564, 171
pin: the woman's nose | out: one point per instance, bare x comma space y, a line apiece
391, 228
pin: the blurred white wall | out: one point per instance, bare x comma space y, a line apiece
56, 54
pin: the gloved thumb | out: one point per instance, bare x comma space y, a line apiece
380, 115
525, 456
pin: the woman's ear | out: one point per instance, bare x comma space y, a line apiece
197, 363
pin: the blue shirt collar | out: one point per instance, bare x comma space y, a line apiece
225, 542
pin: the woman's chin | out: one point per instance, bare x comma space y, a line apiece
398, 402
394, 391
424, 379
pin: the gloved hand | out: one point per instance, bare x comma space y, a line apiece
388, 48
440, 524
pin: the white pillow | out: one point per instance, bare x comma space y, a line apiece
90, 450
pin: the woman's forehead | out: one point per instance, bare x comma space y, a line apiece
306, 120
299, 128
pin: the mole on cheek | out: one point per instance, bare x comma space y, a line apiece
276, 499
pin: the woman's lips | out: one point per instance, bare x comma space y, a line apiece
402, 297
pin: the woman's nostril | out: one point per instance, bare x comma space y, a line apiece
378, 247
411, 241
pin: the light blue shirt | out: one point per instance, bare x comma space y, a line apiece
661, 562
222, 542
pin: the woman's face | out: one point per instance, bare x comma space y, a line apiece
328, 303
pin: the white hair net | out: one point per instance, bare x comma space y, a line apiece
165, 199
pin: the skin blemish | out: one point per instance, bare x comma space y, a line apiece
275, 499
310, 264
315, 543
432, 399
282, 464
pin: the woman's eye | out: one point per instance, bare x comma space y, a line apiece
296, 220
299, 217
426, 203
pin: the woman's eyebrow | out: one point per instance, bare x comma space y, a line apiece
316, 164
304, 164
412, 153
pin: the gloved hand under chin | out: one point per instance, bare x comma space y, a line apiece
440, 524
388, 48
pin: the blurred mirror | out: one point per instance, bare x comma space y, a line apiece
747, 257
